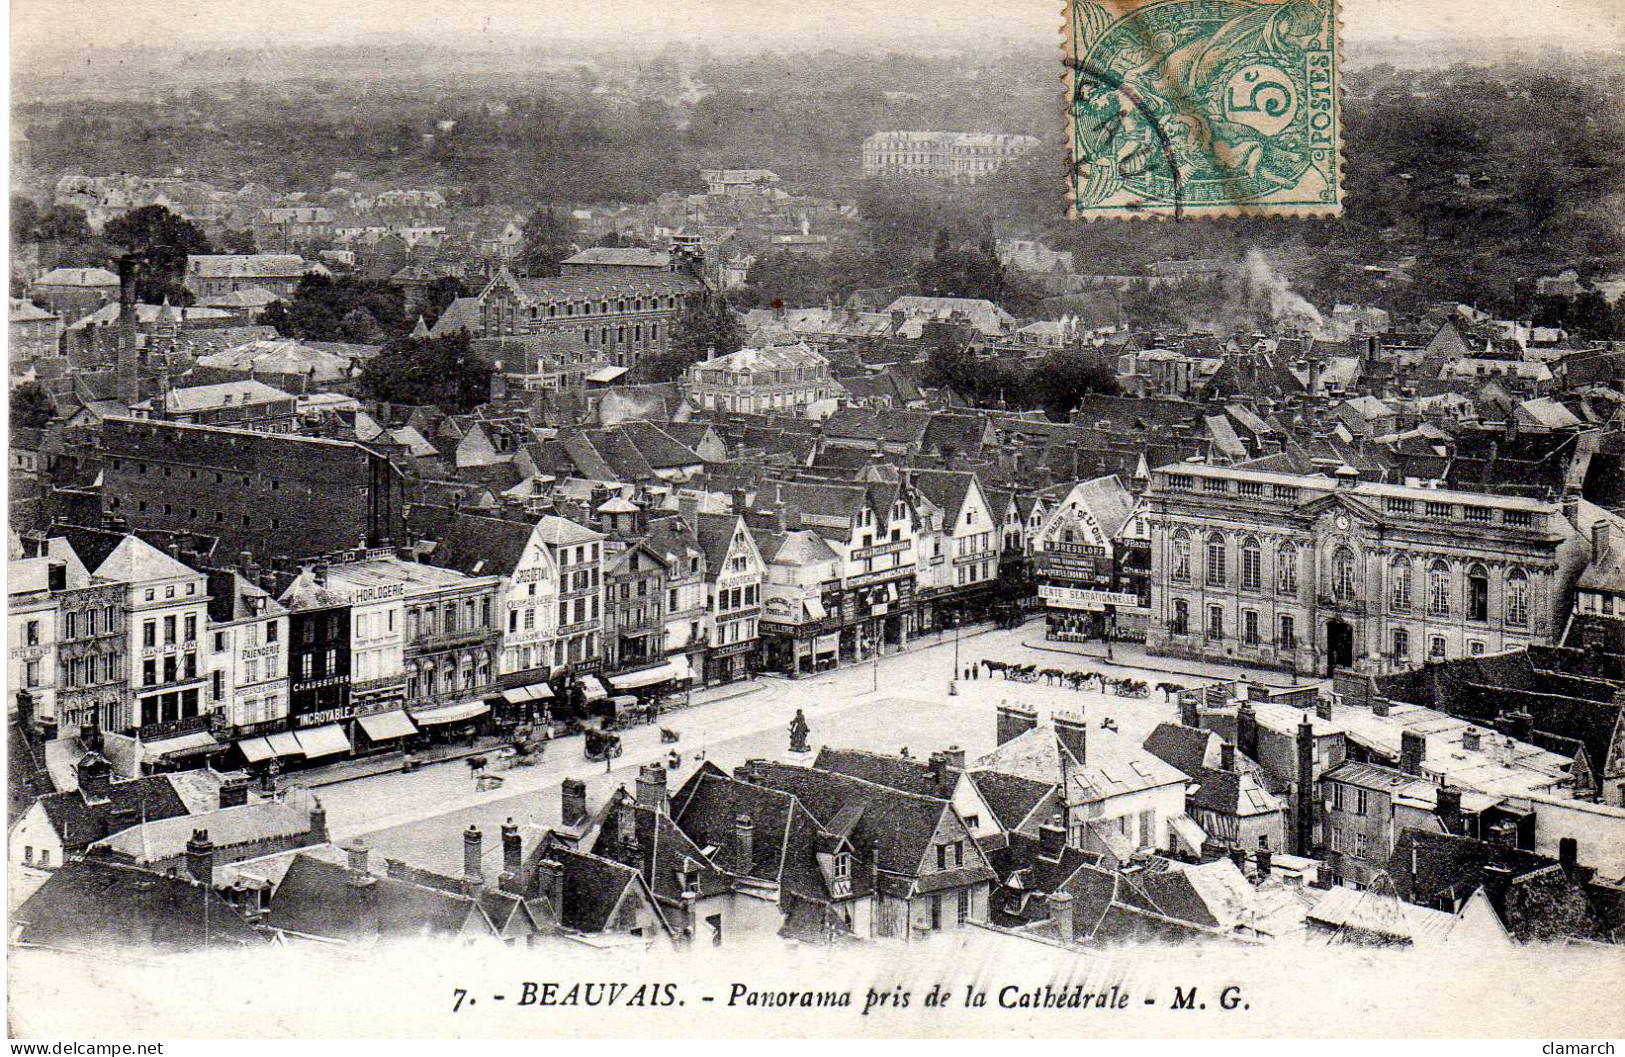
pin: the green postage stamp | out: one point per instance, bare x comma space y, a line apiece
1192, 108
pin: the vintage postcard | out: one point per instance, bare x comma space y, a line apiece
552, 519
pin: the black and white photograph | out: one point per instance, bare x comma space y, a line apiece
706, 518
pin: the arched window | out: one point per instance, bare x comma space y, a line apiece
1181, 623
1517, 598
1478, 593
1439, 588
1252, 565
1399, 585
1215, 560
1343, 575
1179, 557
1286, 569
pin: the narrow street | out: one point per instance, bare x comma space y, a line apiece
901, 702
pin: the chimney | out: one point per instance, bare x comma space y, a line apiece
1413, 749
1227, 756
1073, 730
499, 383
1447, 806
1264, 861
1014, 721
954, 757
318, 573
472, 879
1601, 538
575, 802
1059, 904
1381, 706
626, 822
356, 852
95, 778
234, 792
652, 787
1568, 855
1189, 713
1247, 730
744, 842
1472, 739
1520, 724
513, 856
200, 858
1323, 707
1052, 837
740, 504
550, 882
318, 821
1305, 799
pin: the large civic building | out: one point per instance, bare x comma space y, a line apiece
1317, 572
957, 157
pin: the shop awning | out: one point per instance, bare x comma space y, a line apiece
534, 692
323, 741
682, 672
463, 710
283, 744
814, 608
255, 749
382, 726
182, 745
660, 673
595, 689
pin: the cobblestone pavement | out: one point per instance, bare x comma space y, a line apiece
903, 701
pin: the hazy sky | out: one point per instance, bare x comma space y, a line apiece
726, 24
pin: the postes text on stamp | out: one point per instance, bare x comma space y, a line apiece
1191, 108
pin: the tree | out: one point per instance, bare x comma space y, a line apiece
440, 294
63, 224
706, 328
348, 308
548, 241
443, 372
1061, 381
162, 241
234, 240
31, 406
25, 216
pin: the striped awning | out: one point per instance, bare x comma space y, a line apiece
328, 740
255, 749
463, 710
181, 745
382, 726
660, 673
534, 692
283, 744
595, 689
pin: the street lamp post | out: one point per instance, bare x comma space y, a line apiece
953, 682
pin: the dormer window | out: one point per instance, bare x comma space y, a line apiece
842, 876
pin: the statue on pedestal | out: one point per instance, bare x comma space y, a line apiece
798, 733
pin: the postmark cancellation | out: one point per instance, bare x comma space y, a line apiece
1192, 108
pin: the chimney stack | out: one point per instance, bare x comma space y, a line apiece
1189, 713
513, 856
1568, 854
1413, 749
1447, 806
626, 821
744, 842
234, 792
575, 802
1073, 730
1227, 756
356, 852
1059, 904
473, 880
1052, 837
550, 881
954, 757
1323, 707
95, 778
652, 787
1247, 730
318, 820
1472, 739
1305, 801
1014, 721
200, 858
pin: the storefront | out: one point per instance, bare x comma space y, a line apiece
1080, 614
874, 616
522, 705
733, 662
651, 684
180, 752
383, 731
454, 722
271, 753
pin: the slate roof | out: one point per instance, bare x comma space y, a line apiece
1010, 797
481, 546
80, 277
659, 855
134, 560
90, 903
893, 772
315, 898
80, 824
706, 807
